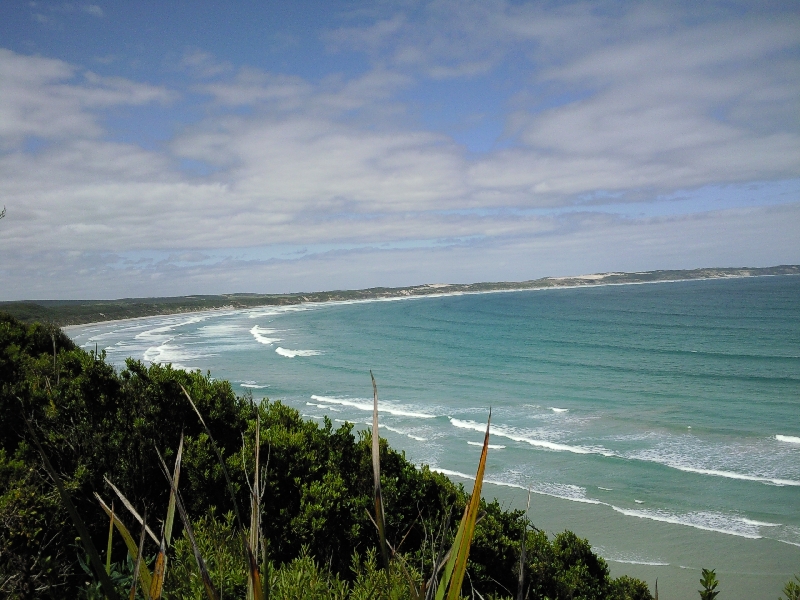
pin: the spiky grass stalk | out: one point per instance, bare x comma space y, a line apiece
83, 532
254, 584
176, 474
160, 566
439, 556
187, 524
127, 504
110, 539
456, 566
251, 561
380, 520
522, 549
137, 567
159, 572
143, 573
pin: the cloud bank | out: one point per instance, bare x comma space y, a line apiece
280, 181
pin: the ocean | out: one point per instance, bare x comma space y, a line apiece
660, 421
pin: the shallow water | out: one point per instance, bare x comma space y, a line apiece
663, 419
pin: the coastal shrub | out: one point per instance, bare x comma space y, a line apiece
95, 422
792, 589
709, 582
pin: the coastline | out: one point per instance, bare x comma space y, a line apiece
632, 544
72, 313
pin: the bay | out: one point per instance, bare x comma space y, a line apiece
660, 421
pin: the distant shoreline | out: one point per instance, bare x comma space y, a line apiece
70, 313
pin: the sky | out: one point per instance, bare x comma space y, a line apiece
160, 149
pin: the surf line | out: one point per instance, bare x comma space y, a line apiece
712, 523
500, 431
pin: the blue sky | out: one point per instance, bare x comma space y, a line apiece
151, 149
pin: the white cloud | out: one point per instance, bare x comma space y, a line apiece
92, 9
635, 104
50, 99
595, 243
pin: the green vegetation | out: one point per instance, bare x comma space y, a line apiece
792, 589
709, 583
316, 495
75, 312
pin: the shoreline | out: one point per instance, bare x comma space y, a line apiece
632, 544
70, 313
583, 281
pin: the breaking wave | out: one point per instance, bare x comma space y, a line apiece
292, 353
368, 407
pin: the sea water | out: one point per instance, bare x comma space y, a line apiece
660, 421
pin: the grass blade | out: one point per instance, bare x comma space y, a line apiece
83, 532
160, 566
110, 539
254, 586
522, 549
176, 474
144, 573
131, 509
159, 571
250, 557
187, 524
138, 566
380, 520
453, 576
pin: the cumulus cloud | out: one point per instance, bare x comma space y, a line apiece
49, 98
639, 97
601, 105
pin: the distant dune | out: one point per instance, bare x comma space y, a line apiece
77, 312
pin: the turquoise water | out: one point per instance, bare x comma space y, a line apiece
664, 419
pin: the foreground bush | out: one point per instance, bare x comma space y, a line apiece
95, 422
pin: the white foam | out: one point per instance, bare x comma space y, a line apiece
323, 406
380, 425
368, 407
252, 385
500, 431
258, 334
155, 331
562, 491
788, 438
639, 501
732, 475
558, 410
706, 521
638, 562
450, 473
401, 432
685, 459
759, 523
606, 489
491, 446
292, 353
